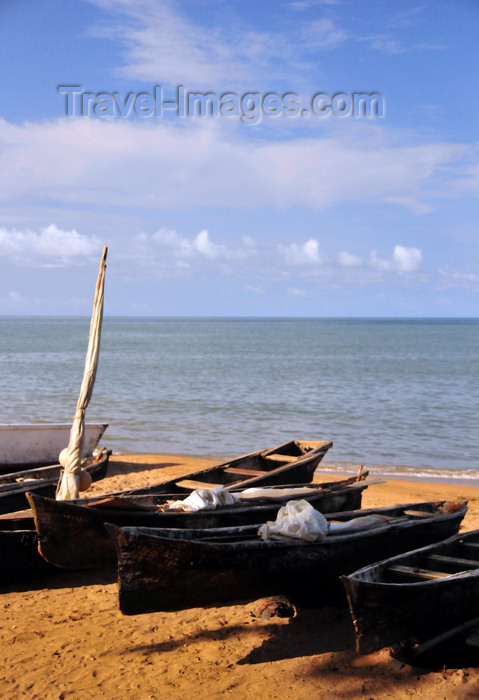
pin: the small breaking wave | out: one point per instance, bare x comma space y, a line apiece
402, 471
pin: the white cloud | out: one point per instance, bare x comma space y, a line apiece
349, 260
164, 45
384, 43
378, 263
169, 239
323, 34
301, 254
406, 259
294, 292
387, 44
160, 165
167, 252
49, 247
203, 244
403, 260
301, 5
457, 278
185, 249
249, 242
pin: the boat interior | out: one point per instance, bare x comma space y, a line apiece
451, 558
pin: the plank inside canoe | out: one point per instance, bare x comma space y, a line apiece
281, 458
442, 559
416, 572
193, 485
470, 545
16, 515
244, 471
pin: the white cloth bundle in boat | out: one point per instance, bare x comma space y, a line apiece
202, 499
364, 522
293, 492
297, 519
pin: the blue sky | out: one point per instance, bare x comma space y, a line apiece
248, 213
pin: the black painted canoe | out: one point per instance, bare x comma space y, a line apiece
175, 569
292, 462
418, 594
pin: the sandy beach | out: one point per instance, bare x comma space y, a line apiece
64, 637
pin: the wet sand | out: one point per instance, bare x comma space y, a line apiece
62, 636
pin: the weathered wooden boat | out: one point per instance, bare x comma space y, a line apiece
419, 594
13, 487
27, 445
175, 569
59, 522
94, 464
292, 462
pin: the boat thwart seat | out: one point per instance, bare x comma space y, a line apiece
470, 546
456, 561
287, 459
193, 485
244, 471
416, 572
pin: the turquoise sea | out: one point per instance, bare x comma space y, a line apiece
398, 395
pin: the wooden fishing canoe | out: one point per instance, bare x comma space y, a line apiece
29, 445
59, 523
418, 594
176, 569
13, 487
292, 462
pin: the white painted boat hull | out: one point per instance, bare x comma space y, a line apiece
39, 444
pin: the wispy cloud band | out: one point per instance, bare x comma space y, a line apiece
85, 161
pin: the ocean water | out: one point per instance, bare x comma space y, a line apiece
397, 395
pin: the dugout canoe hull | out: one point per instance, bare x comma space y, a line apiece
158, 572
292, 462
419, 594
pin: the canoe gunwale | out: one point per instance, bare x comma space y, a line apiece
381, 566
288, 542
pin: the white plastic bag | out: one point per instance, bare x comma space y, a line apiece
297, 519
